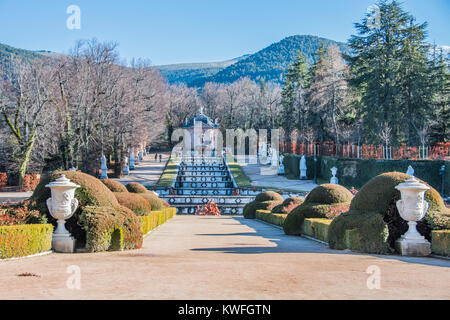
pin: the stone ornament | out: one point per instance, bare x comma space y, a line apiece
303, 168
410, 171
125, 166
103, 167
281, 167
334, 179
62, 205
131, 165
412, 208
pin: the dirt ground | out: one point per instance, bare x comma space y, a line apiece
192, 257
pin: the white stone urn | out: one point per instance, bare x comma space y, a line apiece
412, 208
103, 167
281, 167
334, 179
303, 168
62, 206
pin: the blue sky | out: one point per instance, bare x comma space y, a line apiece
170, 31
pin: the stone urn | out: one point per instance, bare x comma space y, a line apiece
412, 208
62, 206
303, 168
125, 166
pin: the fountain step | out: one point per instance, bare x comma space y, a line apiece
203, 179
203, 173
204, 184
223, 210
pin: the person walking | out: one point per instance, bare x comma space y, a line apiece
160, 158
156, 157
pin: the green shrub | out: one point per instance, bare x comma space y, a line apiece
92, 192
101, 222
25, 240
155, 202
440, 242
268, 196
273, 218
117, 242
135, 202
156, 218
136, 187
250, 208
288, 205
326, 201
317, 228
114, 186
373, 213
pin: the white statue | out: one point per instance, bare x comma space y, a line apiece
410, 171
334, 179
281, 167
125, 166
103, 167
303, 168
131, 159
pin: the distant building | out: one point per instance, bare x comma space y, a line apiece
202, 133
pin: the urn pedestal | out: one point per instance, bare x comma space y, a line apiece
62, 206
412, 208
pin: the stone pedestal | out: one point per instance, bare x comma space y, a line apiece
63, 243
415, 248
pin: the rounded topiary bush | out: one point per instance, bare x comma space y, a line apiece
136, 187
155, 202
326, 201
100, 222
92, 192
268, 196
114, 186
288, 205
135, 202
249, 211
374, 216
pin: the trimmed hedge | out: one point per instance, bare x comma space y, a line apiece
326, 201
92, 192
374, 216
101, 223
317, 228
135, 202
156, 218
268, 196
114, 186
251, 208
273, 218
357, 172
136, 187
155, 202
25, 240
440, 242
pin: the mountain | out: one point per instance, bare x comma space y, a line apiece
269, 63
186, 72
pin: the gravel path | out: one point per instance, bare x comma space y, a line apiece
192, 257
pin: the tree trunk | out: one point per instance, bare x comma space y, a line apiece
26, 159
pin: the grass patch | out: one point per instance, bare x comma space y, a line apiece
238, 173
169, 173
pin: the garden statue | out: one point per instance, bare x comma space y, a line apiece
410, 171
62, 206
281, 167
125, 166
334, 179
412, 208
103, 167
303, 168
73, 169
131, 164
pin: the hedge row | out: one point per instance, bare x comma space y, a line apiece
273, 218
156, 218
319, 228
356, 172
25, 240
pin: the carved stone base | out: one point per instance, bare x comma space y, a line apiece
414, 248
63, 243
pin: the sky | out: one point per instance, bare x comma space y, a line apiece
176, 31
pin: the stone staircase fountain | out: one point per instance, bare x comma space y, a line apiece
201, 179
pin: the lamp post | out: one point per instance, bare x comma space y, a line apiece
442, 173
412, 208
62, 206
315, 169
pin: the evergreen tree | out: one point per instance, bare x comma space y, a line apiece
293, 96
389, 68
